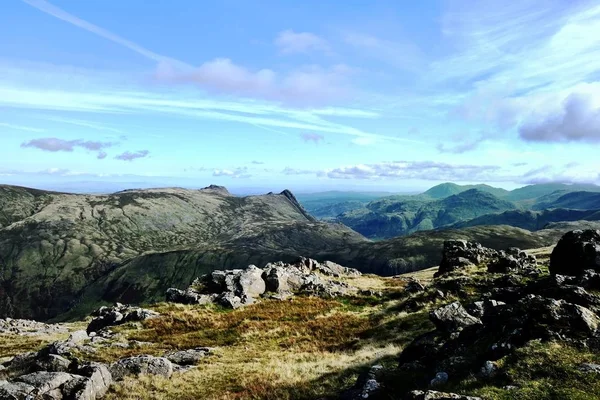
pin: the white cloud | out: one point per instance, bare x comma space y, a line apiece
290, 42
400, 53
240, 172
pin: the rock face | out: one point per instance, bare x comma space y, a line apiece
576, 252
117, 315
240, 287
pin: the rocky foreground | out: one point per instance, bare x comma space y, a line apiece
489, 325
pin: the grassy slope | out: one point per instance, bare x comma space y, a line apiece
308, 348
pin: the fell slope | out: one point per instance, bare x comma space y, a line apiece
387, 218
52, 245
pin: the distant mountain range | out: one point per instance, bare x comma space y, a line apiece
61, 255
451, 205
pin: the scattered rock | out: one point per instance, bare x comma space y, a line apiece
279, 280
589, 368
141, 365
459, 254
367, 386
28, 327
117, 315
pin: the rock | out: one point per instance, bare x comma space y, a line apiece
589, 368
93, 382
440, 379
51, 363
28, 327
188, 357
189, 296
146, 365
433, 395
518, 261
458, 254
414, 286
479, 309
47, 384
452, 317
367, 386
17, 391
488, 370
78, 337
117, 315
576, 252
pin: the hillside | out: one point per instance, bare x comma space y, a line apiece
53, 244
433, 334
386, 218
531, 220
449, 189
572, 200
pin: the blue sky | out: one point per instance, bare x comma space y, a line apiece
312, 95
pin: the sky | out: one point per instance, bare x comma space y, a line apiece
311, 96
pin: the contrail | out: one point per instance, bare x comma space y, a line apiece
51, 9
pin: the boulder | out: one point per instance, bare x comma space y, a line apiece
576, 252
45, 382
141, 365
188, 357
17, 391
92, 382
188, 296
367, 386
458, 254
452, 318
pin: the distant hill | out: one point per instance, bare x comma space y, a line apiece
327, 205
448, 189
532, 192
572, 200
531, 220
390, 217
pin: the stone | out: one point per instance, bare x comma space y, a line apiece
440, 379
141, 365
188, 357
452, 317
458, 254
367, 385
189, 296
576, 252
92, 382
51, 363
434, 395
488, 370
45, 381
589, 368
78, 337
28, 327
17, 391
117, 315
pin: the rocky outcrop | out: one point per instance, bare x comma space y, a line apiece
458, 254
513, 310
576, 252
117, 315
188, 357
434, 395
240, 287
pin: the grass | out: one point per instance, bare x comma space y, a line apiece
303, 348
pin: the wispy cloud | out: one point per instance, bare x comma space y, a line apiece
312, 137
294, 171
240, 172
20, 127
290, 42
403, 53
56, 144
130, 156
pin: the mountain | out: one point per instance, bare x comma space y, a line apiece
572, 200
531, 220
391, 217
448, 189
533, 192
326, 205
53, 244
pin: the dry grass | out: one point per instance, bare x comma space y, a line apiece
303, 348
13, 344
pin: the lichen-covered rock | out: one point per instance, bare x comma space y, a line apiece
188, 296
458, 254
45, 382
141, 365
16, 391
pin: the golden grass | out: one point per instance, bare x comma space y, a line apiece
13, 344
303, 348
